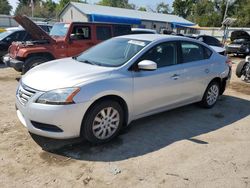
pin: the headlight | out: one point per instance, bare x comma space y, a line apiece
58, 96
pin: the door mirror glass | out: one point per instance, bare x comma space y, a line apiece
147, 65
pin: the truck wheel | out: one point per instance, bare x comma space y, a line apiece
31, 62
239, 68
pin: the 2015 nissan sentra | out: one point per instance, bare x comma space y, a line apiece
122, 79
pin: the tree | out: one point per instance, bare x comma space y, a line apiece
117, 3
242, 13
142, 9
183, 8
5, 7
163, 8
205, 14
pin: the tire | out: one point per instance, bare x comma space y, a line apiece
33, 61
239, 68
96, 128
211, 95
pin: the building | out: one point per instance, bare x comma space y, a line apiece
95, 13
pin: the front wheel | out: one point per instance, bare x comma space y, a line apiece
103, 122
211, 95
31, 62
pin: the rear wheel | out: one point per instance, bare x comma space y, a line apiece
103, 122
33, 61
211, 95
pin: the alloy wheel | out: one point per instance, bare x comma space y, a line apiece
106, 123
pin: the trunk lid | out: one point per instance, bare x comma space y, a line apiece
34, 30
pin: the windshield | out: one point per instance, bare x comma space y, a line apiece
59, 29
5, 34
112, 53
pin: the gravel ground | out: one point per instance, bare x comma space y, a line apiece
185, 147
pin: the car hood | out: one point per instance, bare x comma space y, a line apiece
34, 30
63, 73
240, 34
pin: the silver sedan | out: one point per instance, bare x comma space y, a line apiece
122, 79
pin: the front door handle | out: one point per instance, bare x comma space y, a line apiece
175, 76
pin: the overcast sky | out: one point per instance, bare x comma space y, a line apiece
151, 3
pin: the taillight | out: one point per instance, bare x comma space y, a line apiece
229, 62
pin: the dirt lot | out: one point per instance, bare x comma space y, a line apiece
185, 147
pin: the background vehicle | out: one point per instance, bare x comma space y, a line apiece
211, 41
17, 34
243, 69
240, 43
142, 31
64, 40
116, 82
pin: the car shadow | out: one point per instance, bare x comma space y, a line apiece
154, 132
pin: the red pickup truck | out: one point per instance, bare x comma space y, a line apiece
64, 40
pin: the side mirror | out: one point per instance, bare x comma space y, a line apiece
147, 65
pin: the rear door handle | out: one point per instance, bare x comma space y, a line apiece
175, 76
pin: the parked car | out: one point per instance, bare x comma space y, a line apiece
64, 40
240, 43
122, 79
17, 34
211, 41
243, 69
142, 31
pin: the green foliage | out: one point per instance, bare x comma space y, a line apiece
163, 8
117, 3
210, 13
142, 9
183, 8
5, 7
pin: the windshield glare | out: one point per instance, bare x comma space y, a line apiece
59, 29
5, 34
112, 53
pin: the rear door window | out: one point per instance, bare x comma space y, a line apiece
191, 52
103, 32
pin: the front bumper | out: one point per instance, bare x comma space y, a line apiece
10, 62
68, 118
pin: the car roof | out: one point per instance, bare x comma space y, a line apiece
143, 29
152, 37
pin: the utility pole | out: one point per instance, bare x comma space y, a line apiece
225, 14
225, 33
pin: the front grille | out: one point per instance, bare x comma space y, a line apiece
24, 93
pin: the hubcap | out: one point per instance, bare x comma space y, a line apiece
106, 123
212, 94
